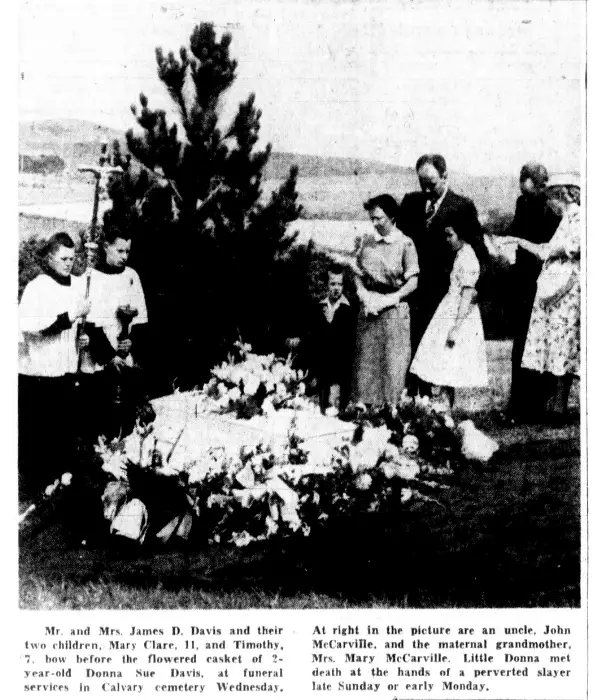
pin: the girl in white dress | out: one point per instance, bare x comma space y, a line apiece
452, 351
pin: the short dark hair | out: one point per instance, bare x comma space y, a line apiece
435, 159
56, 241
111, 235
335, 269
536, 171
386, 203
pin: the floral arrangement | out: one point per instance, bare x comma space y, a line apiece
248, 384
161, 485
275, 488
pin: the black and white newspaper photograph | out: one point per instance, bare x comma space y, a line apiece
299, 351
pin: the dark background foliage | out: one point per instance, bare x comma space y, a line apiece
211, 256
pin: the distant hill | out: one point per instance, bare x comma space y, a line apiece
73, 140
64, 137
320, 166
330, 187
59, 131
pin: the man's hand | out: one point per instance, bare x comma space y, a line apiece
118, 363
82, 308
83, 341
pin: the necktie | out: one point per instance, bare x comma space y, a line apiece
429, 210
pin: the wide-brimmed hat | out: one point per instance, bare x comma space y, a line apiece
563, 180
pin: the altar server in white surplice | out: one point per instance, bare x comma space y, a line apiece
50, 310
116, 327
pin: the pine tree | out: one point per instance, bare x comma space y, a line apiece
207, 250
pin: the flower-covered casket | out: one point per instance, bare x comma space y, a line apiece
249, 457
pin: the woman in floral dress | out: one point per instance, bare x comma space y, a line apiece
386, 274
553, 338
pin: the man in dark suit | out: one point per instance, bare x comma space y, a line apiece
535, 222
425, 216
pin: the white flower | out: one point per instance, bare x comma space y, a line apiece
241, 539
406, 495
272, 526
116, 466
301, 389
280, 390
410, 444
235, 394
364, 456
251, 386
51, 488
406, 469
267, 407
377, 436
217, 499
237, 375
66, 479
363, 482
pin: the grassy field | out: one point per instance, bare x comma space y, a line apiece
505, 535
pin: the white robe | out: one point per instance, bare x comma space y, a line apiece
42, 302
107, 294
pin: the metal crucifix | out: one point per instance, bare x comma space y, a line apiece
100, 173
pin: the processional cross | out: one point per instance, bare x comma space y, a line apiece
101, 173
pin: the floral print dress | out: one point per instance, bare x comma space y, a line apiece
553, 338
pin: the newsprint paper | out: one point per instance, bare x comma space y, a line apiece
485, 593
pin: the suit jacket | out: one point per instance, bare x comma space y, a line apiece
536, 223
436, 257
330, 346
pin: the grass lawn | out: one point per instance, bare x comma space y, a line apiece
505, 535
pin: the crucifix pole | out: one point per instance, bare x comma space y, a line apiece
100, 172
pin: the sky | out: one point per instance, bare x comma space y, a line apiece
490, 85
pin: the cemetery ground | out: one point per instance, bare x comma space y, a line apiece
506, 534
